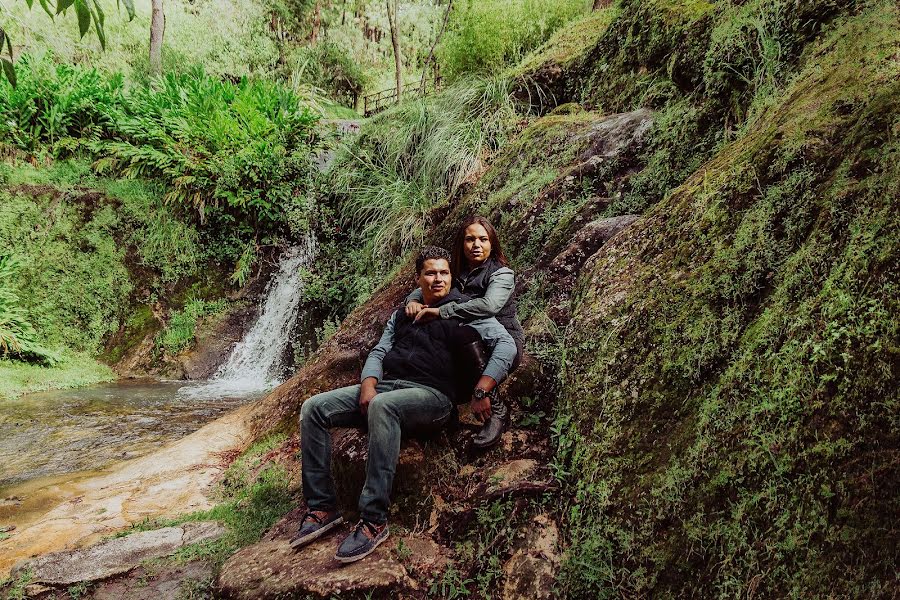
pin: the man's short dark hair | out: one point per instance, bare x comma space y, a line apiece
431, 253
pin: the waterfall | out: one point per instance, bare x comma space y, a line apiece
255, 362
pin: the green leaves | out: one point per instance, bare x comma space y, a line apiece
7, 62
129, 7
18, 338
86, 11
62, 5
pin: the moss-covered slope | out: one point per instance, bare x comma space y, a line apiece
731, 398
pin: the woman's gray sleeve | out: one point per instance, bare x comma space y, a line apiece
500, 287
415, 296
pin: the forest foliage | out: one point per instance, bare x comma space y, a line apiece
224, 157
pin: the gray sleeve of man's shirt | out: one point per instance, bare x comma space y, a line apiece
497, 294
373, 368
501, 344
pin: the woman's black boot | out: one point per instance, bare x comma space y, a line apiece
494, 427
472, 359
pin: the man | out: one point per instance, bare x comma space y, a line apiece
407, 384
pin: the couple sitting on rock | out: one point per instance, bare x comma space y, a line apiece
411, 381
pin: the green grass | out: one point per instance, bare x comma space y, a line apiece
73, 370
179, 331
409, 159
14, 589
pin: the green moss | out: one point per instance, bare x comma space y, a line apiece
73, 275
731, 398
137, 326
569, 44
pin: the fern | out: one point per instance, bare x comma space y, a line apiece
18, 338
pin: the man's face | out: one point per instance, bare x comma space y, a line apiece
434, 279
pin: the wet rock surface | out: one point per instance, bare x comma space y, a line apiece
115, 556
215, 340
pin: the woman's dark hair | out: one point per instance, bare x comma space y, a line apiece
459, 262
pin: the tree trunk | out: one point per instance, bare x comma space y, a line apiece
437, 40
598, 4
157, 29
317, 22
392, 9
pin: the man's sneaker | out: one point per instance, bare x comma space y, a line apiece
314, 525
361, 542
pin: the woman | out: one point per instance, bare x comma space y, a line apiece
480, 270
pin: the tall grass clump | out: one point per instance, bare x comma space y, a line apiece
483, 38
410, 159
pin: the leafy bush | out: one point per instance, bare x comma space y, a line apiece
179, 332
483, 38
330, 68
232, 153
18, 338
53, 102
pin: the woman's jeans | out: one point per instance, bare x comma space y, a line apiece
399, 406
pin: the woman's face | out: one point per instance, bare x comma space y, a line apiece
476, 245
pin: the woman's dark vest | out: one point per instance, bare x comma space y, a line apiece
475, 284
423, 353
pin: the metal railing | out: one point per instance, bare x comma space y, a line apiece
377, 102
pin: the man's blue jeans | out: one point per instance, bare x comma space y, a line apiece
398, 406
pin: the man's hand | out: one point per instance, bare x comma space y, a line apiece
428, 314
366, 392
413, 308
481, 408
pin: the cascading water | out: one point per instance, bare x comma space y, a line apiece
255, 361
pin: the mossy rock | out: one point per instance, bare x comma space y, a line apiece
731, 382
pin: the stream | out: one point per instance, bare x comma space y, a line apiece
68, 431
47, 435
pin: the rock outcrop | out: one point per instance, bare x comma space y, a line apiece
272, 569
115, 556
